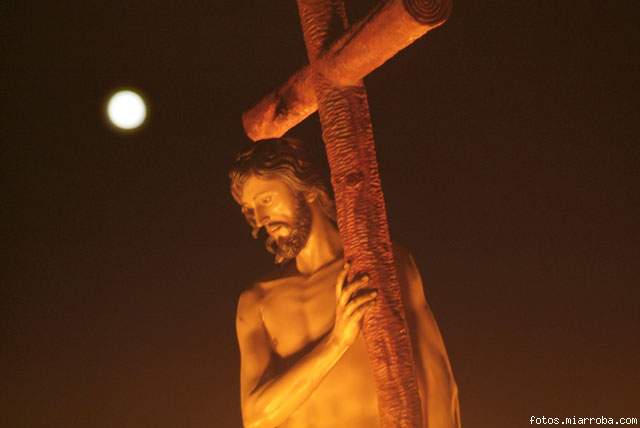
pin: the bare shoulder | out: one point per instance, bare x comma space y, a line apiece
249, 304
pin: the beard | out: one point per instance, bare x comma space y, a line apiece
288, 247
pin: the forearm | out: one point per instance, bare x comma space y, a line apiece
273, 402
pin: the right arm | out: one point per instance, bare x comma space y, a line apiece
271, 403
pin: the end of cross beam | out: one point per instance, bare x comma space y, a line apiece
281, 109
429, 12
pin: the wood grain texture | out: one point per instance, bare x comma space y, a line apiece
348, 136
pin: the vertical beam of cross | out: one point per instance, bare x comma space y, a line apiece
348, 136
339, 58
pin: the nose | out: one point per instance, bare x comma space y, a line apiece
261, 218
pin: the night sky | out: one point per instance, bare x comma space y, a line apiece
509, 154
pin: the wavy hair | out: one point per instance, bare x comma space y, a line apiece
286, 159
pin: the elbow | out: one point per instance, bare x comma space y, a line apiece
252, 420
255, 415
254, 423
252, 417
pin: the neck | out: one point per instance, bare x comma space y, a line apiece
323, 247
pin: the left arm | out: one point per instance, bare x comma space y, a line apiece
438, 389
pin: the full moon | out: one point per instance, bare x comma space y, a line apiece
126, 109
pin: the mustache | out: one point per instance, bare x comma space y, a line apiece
277, 223
255, 231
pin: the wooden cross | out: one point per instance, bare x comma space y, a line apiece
339, 57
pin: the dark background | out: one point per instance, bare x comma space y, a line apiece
509, 156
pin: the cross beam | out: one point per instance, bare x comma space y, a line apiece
332, 84
388, 28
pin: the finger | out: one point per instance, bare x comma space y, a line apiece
342, 277
358, 302
348, 291
358, 314
352, 289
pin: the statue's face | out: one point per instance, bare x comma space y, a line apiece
284, 214
270, 203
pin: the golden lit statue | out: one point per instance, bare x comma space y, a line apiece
303, 359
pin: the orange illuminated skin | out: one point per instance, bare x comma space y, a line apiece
303, 360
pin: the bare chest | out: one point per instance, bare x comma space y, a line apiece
299, 312
296, 315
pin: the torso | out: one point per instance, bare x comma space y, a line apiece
298, 311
